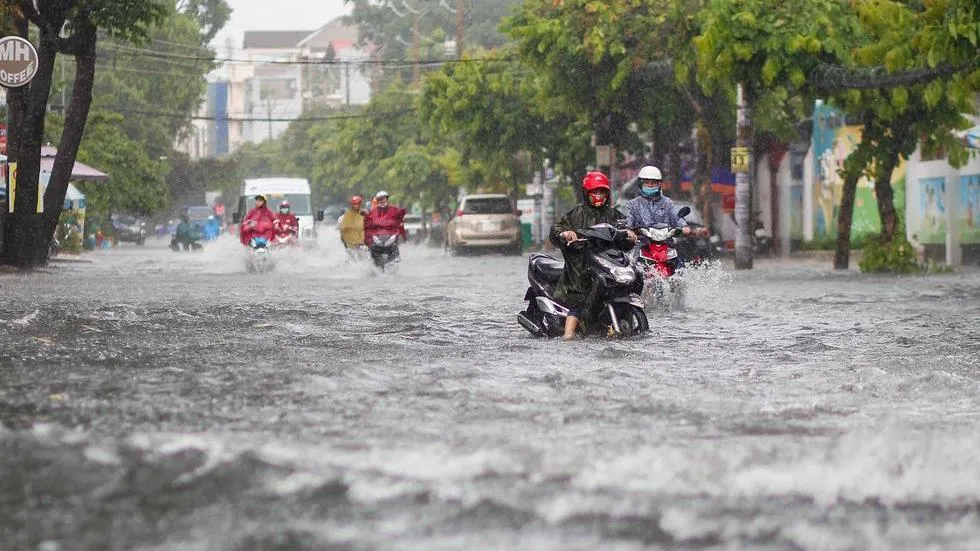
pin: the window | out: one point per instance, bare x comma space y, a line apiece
487, 205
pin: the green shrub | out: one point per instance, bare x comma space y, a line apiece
896, 256
67, 233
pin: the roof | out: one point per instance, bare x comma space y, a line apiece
275, 185
274, 40
80, 171
329, 34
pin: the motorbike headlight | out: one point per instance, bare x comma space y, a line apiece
715, 239
624, 275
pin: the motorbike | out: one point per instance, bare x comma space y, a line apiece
285, 240
660, 261
193, 245
259, 255
614, 307
700, 247
384, 250
761, 240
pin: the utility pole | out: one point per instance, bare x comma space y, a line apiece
459, 29
347, 81
741, 166
416, 48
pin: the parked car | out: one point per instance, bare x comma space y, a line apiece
485, 222
414, 227
129, 228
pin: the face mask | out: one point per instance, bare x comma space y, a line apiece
651, 192
284, 211
597, 199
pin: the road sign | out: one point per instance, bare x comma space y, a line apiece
740, 159
18, 61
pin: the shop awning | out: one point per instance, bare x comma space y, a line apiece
81, 171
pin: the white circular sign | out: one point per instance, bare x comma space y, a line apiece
18, 61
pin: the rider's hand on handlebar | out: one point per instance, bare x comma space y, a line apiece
687, 230
631, 236
569, 236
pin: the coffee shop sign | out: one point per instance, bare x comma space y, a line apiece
18, 61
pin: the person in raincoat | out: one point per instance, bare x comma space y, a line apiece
384, 218
351, 224
185, 235
259, 222
575, 283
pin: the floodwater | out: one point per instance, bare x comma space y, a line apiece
171, 401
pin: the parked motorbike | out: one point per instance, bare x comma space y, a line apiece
384, 250
761, 240
615, 307
259, 256
660, 261
699, 247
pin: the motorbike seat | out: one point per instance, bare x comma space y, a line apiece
546, 268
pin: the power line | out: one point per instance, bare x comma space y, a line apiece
261, 119
393, 62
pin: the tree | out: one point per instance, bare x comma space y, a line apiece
211, 16
27, 234
492, 112
902, 39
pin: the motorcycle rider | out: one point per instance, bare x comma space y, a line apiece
185, 235
651, 206
351, 224
259, 222
384, 218
286, 224
573, 288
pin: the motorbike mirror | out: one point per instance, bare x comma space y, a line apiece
319, 215
684, 212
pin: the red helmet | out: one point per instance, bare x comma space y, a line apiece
356, 200
596, 188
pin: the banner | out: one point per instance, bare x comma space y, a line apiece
932, 211
970, 209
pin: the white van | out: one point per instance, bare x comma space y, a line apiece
277, 190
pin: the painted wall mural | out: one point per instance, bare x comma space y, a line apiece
970, 208
833, 141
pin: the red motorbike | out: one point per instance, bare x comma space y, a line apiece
659, 260
286, 236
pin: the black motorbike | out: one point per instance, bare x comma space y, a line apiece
187, 244
384, 250
614, 306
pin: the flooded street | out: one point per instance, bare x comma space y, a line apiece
171, 401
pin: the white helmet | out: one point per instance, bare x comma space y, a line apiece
381, 194
650, 172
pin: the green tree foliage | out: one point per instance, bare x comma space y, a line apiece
492, 110
388, 23
70, 27
211, 16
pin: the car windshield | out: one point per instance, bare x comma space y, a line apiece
487, 205
299, 203
198, 214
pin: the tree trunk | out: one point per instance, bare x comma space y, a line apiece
702, 176
76, 117
885, 196
845, 216
26, 244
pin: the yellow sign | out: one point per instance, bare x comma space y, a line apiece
11, 186
740, 159
42, 186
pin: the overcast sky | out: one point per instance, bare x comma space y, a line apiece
277, 15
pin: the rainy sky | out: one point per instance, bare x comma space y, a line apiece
259, 15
